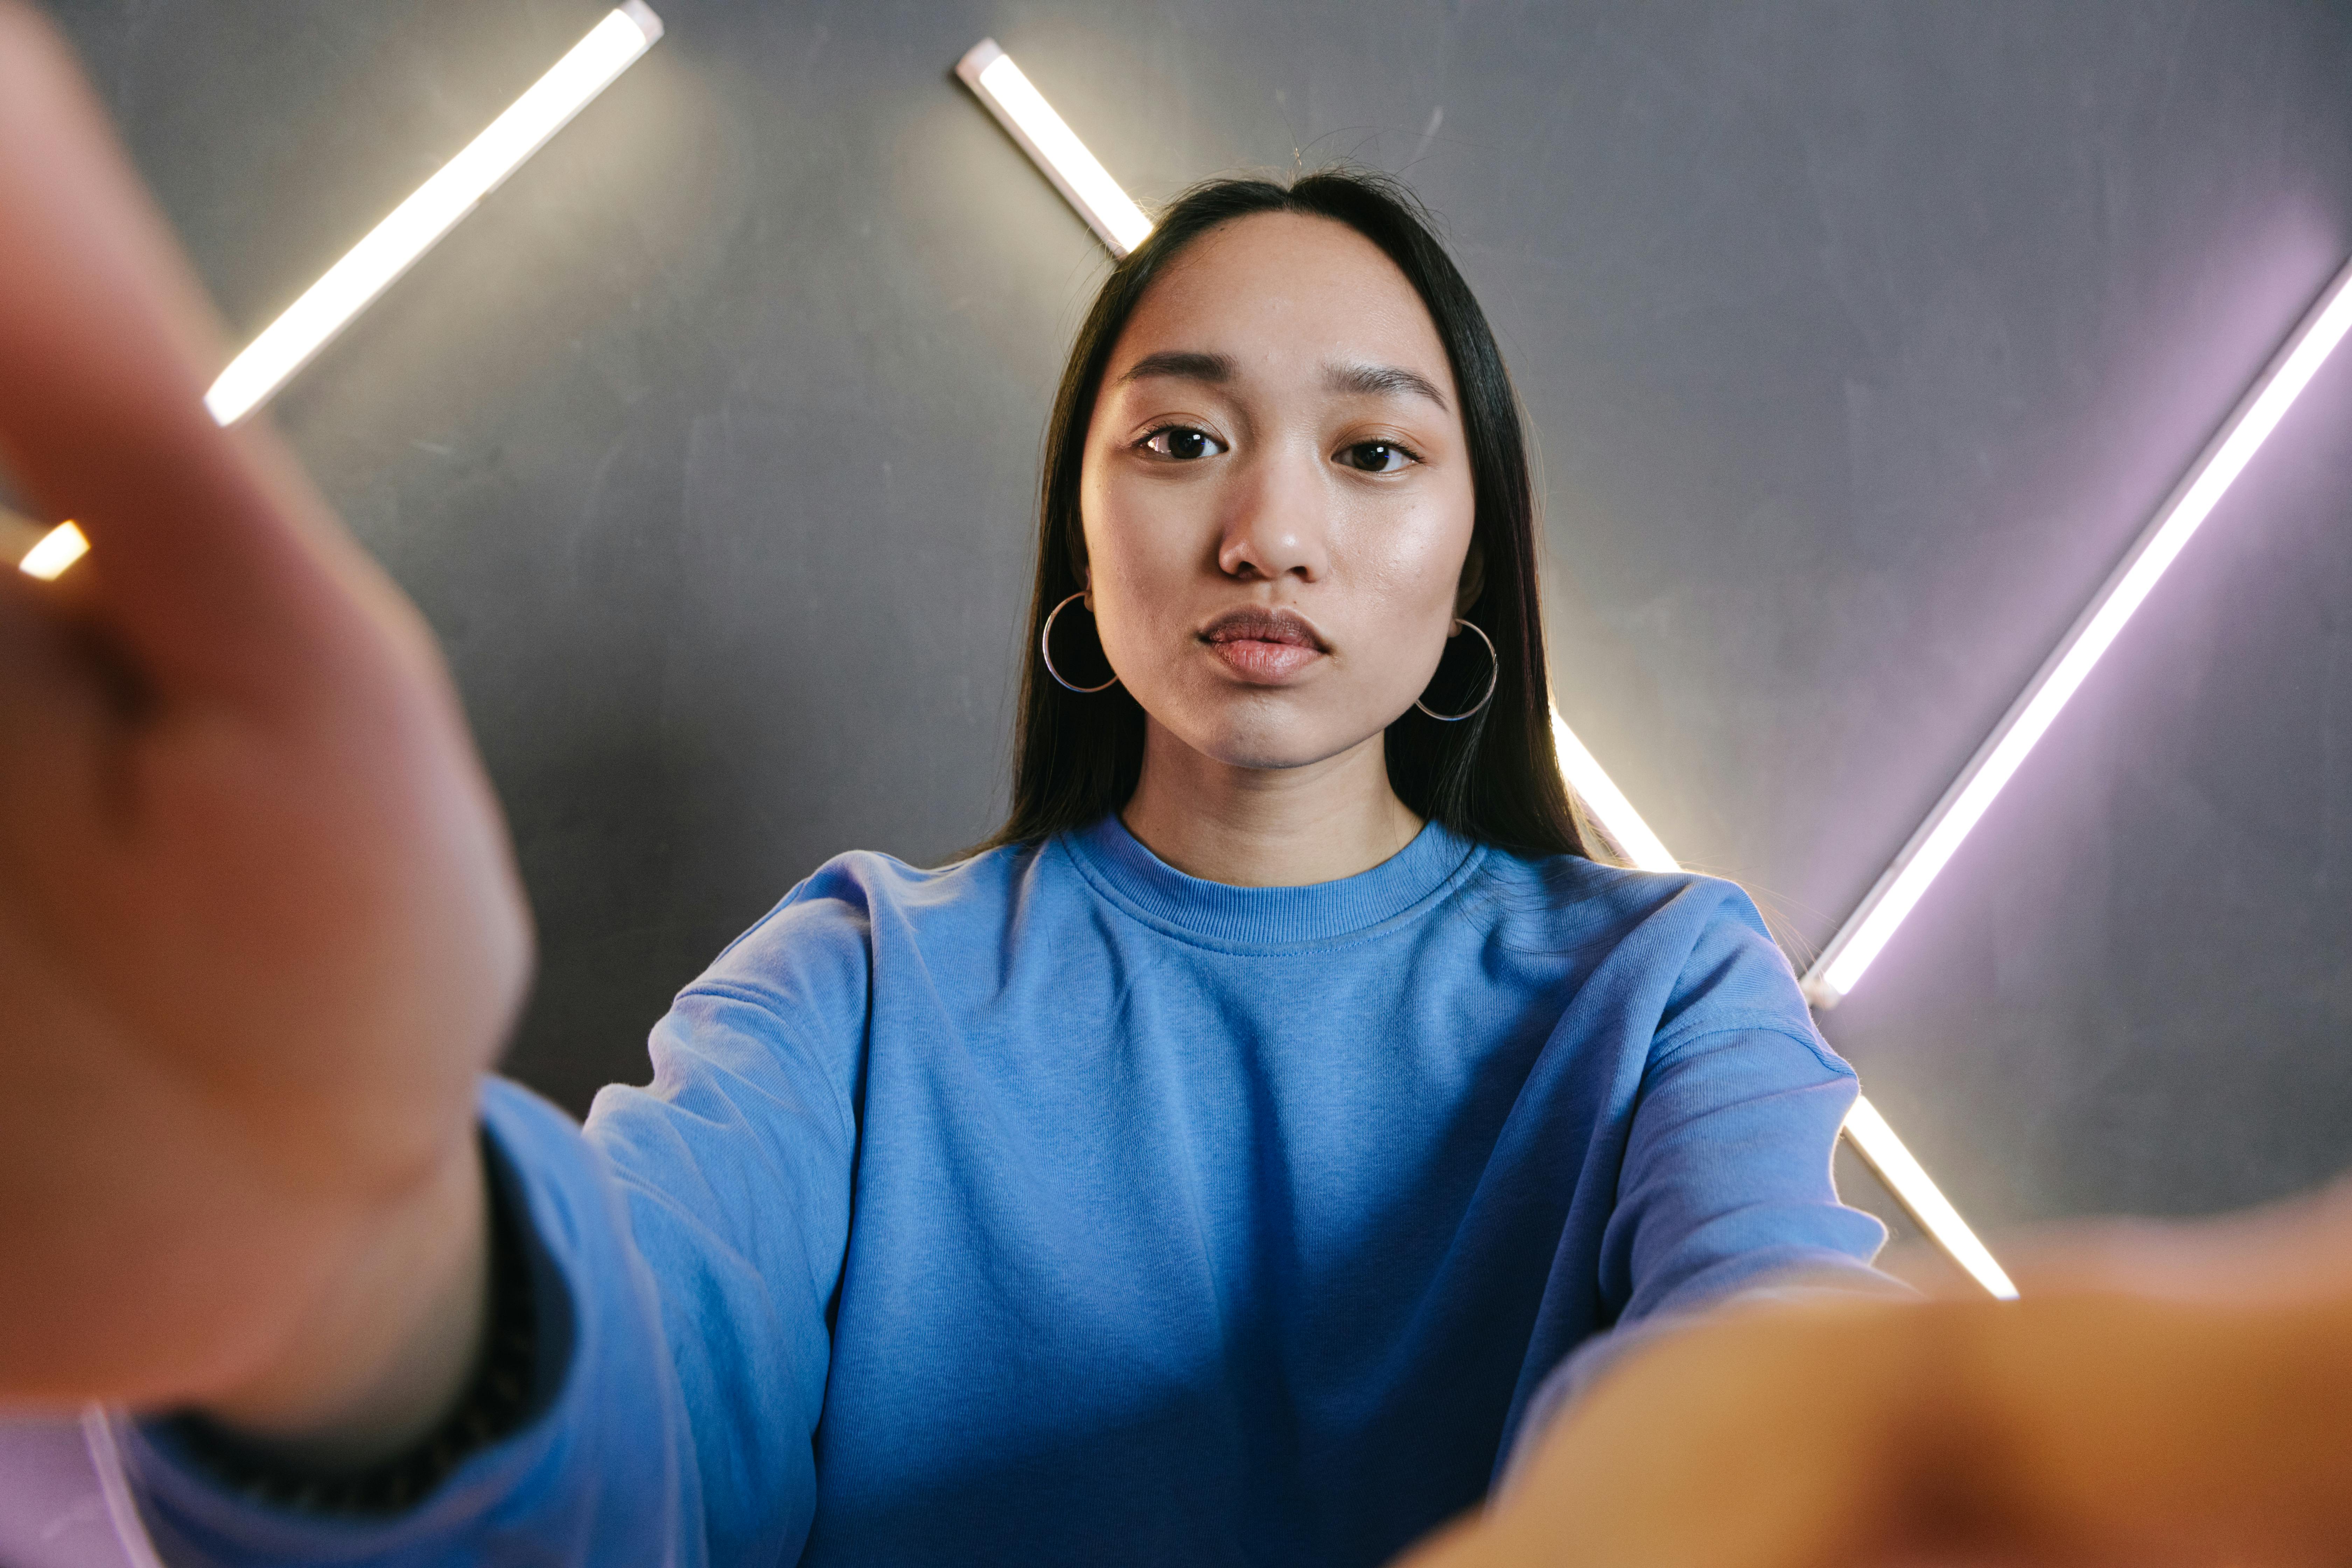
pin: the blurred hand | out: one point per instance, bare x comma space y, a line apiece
260, 927
2162, 1394
1767, 1438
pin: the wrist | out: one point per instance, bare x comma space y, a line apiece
385, 1348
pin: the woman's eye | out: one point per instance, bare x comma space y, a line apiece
1376, 456
1182, 443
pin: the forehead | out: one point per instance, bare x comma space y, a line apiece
1283, 294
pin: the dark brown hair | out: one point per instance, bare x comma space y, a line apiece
1493, 777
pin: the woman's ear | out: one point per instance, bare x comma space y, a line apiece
1474, 579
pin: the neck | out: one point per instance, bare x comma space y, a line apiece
1268, 827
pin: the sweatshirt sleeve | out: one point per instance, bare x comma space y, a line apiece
1726, 1179
1724, 1188
686, 1250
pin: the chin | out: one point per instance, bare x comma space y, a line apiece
1270, 735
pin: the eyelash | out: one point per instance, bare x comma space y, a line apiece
1156, 432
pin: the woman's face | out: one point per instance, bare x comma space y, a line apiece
1276, 494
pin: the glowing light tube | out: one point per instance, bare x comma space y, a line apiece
371, 266
1884, 1152
1053, 146
1606, 801
56, 549
1899, 888
38, 551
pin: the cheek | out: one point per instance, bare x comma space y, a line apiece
1414, 562
1411, 577
1140, 557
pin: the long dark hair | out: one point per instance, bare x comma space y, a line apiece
1493, 777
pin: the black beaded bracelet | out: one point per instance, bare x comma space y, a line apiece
497, 1403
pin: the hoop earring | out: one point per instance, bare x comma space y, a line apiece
1494, 676
1046, 650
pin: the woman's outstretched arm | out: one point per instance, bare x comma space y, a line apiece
2153, 1400
260, 931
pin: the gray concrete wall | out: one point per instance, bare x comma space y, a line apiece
1860, 339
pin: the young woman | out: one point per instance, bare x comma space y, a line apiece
1226, 1164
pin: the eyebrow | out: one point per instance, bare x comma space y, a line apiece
1217, 370
1381, 381
1181, 365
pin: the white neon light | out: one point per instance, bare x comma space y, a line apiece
58, 548
1875, 1142
371, 266
1606, 801
1998, 760
1898, 890
1056, 149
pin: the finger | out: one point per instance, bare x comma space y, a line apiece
53, 721
211, 561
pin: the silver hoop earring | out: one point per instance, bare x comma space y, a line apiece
1045, 650
1493, 676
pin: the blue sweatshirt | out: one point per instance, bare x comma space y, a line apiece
1059, 1208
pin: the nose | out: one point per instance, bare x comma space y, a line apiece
1277, 521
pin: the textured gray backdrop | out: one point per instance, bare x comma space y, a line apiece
1860, 339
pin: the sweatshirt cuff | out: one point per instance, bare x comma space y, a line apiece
597, 1374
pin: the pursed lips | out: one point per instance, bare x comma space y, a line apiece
1264, 645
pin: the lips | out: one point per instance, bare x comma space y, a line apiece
1265, 646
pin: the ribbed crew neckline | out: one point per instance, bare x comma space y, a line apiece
1131, 876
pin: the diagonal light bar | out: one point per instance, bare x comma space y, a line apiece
1924, 1201
1872, 1137
393, 247
53, 552
38, 551
1901, 886
1053, 146
1601, 797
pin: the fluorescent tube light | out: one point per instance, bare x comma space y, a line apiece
1898, 889
311, 322
1029, 120
1606, 801
56, 549
1875, 1142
